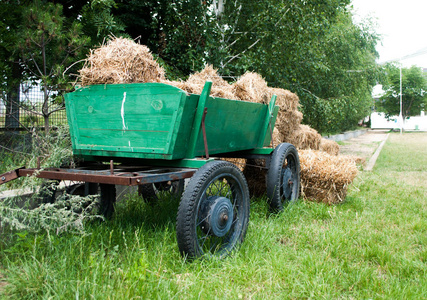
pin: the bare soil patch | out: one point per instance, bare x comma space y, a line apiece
415, 179
364, 145
3, 283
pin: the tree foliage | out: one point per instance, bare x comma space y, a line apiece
414, 92
10, 68
311, 48
180, 33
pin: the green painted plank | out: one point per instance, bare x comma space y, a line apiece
267, 140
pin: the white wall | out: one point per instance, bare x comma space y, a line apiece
378, 120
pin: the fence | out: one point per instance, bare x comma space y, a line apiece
24, 112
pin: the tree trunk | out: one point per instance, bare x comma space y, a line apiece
46, 124
45, 109
12, 108
12, 99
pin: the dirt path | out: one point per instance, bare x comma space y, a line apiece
3, 283
364, 145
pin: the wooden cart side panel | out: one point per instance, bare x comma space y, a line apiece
130, 118
231, 125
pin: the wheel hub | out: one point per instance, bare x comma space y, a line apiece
218, 216
287, 183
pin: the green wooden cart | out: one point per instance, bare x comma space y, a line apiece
155, 135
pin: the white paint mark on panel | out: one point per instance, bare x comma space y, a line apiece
123, 111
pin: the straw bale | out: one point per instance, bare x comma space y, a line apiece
288, 122
329, 146
325, 178
189, 88
222, 92
121, 61
196, 82
277, 137
305, 137
286, 100
251, 87
198, 88
239, 162
358, 160
208, 73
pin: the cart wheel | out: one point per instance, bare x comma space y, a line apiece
151, 191
213, 214
49, 188
283, 177
107, 201
47, 192
82, 189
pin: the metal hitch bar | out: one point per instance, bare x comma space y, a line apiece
122, 175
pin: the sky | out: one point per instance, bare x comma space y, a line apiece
403, 26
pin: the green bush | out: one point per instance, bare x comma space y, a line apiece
36, 212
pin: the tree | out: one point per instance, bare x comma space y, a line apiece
47, 46
414, 92
342, 87
10, 67
311, 48
98, 21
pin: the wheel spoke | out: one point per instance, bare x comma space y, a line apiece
204, 219
215, 245
205, 238
221, 187
229, 193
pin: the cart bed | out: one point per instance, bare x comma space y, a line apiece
159, 121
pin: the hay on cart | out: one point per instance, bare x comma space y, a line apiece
251, 87
324, 175
121, 60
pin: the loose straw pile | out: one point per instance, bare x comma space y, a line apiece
121, 61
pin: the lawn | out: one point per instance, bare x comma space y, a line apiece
373, 246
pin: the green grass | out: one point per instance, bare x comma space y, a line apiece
371, 247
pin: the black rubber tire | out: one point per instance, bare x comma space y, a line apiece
213, 181
147, 192
47, 192
107, 201
151, 191
283, 177
174, 188
82, 189
49, 188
